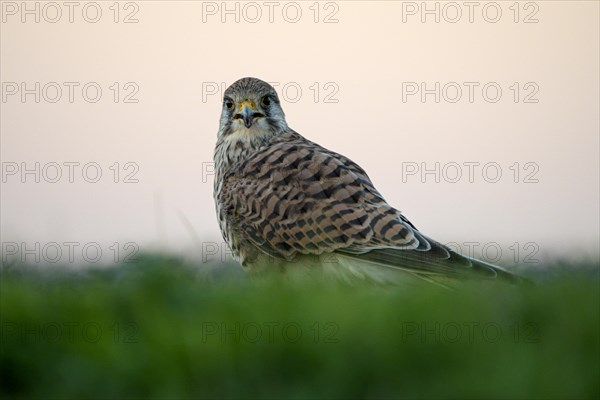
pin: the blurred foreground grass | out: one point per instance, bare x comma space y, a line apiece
162, 329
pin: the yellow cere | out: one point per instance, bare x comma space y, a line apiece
247, 103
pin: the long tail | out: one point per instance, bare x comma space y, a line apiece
438, 263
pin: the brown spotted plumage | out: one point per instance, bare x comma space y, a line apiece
286, 203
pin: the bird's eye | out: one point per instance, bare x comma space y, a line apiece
265, 101
229, 104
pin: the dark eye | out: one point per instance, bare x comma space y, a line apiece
265, 101
229, 104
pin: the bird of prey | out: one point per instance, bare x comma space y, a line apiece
286, 204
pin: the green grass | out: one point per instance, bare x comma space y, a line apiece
163, 329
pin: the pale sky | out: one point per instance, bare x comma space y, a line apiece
516, 97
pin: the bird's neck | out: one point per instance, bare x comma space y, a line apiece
233, 149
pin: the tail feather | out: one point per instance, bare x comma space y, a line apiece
437, 263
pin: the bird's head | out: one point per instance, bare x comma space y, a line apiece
251, 107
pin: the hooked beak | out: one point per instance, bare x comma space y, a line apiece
247, 113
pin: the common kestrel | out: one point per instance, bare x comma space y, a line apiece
286, 204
